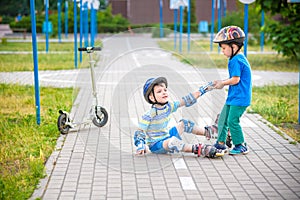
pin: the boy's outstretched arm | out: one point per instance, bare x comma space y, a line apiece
191, 98
219, 84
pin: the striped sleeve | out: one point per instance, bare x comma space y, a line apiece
174, 106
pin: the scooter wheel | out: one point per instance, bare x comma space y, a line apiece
101, 118
61, 124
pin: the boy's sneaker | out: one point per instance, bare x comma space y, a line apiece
239, 149
220, 146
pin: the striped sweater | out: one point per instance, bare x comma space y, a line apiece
155, 122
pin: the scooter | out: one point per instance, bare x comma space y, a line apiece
97, 115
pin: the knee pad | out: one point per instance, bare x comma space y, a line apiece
188, 125
175, 144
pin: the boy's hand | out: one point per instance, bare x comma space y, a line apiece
206, 88
141, 149
218, 84
141, 152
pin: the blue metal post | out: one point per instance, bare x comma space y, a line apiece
161, 18
219, 19
189, 26
66, 19
92, 25
47, 28
95, 24
86, 24
262, 34
224, 8
175, 27
246, 28
59, 20
75, 34
80, 30
212, 24
181, 28
35, 63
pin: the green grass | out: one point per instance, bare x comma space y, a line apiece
24, 62
60, 56
262, 62
201, 56
278, 105
41, 46
24, 145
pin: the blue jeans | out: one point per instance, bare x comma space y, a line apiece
158, 148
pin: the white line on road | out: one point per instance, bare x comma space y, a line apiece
187, 183
179, 163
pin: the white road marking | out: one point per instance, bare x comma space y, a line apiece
179, 163
187, 183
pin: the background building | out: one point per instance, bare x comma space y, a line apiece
147, 11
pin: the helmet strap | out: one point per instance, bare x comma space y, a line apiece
232, 50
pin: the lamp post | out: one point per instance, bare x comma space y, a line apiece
219, 20
35, 63
246, 3
59, 20
66, 19
75, 34
212, 24
161, 26
262, 34
46, 25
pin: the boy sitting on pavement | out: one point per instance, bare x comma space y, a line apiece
153, 127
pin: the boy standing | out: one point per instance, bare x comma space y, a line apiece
231, 40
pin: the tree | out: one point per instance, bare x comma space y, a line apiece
193, 13
13, 8
285, 33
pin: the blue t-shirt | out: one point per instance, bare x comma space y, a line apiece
241, 93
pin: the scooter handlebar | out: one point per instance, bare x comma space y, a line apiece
89, 49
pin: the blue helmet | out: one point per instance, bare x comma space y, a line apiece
149, 85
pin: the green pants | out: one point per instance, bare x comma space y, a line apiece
230, 119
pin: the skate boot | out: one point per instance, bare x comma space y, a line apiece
228, 140
211, 132
207, 150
